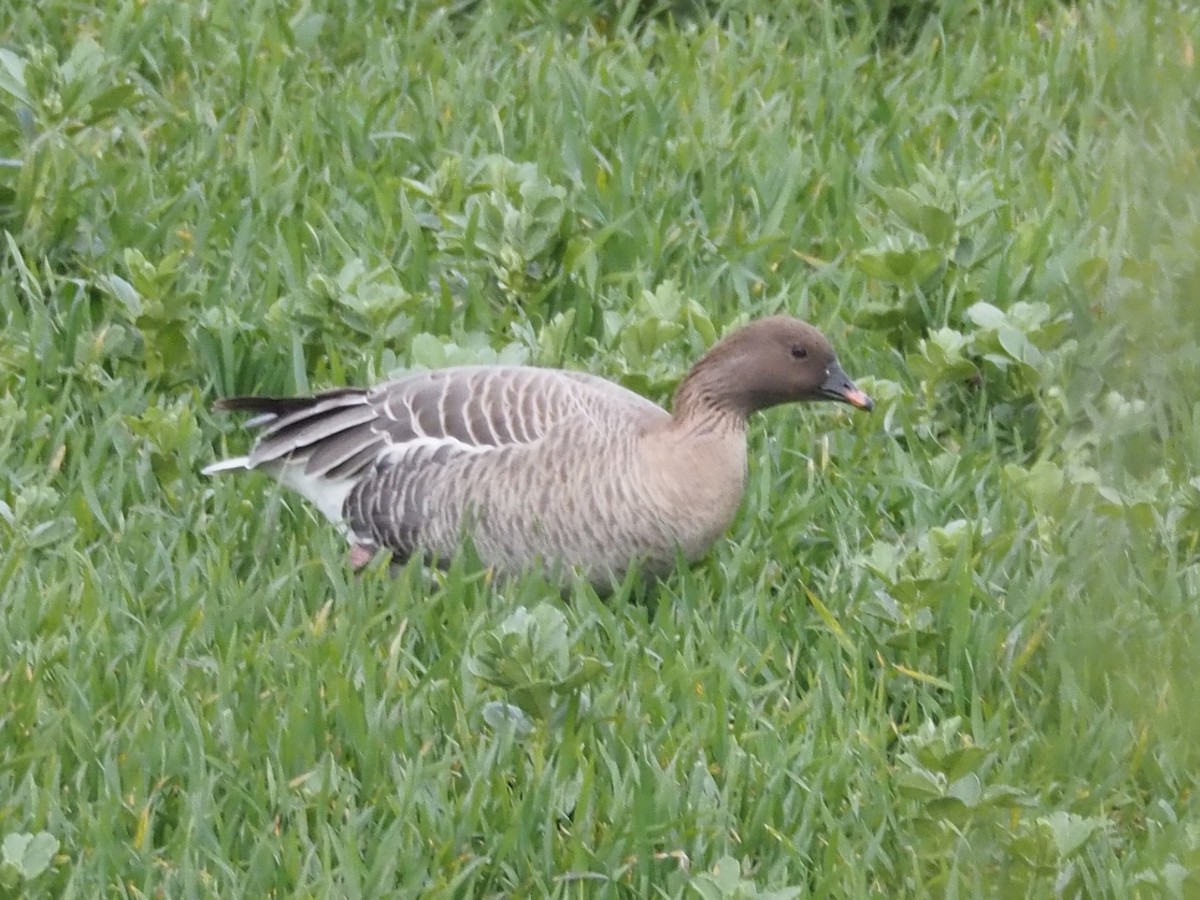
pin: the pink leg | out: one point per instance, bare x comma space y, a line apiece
360, 555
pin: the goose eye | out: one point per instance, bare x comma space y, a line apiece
799, 351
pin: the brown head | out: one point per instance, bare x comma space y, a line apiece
766, 363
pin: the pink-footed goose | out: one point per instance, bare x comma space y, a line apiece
541, 465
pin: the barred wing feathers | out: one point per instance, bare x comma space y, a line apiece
364, 457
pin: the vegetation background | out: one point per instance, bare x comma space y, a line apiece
949, 649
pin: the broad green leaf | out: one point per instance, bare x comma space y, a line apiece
307, 29
1017, 346
84, 62
110, 101
554, 336
1070, 831
964, 252
968, 790
901, 266
964, 761
920, 784
943, 357
587, 670
935, 224
427, 351
903, 203
123, 292
884, 559
13, 848
1042, 482
727, 873
874, 265
987, 316
882, 316
29, 854
12, 76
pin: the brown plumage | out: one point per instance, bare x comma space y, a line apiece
541, 465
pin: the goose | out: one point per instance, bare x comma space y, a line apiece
540, 467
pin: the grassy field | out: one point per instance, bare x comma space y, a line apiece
948, 649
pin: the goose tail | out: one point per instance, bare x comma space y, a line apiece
316, 445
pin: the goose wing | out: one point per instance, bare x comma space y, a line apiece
323, 445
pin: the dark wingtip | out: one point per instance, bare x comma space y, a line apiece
251, 404
276, 406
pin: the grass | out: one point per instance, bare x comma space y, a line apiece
947, 650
